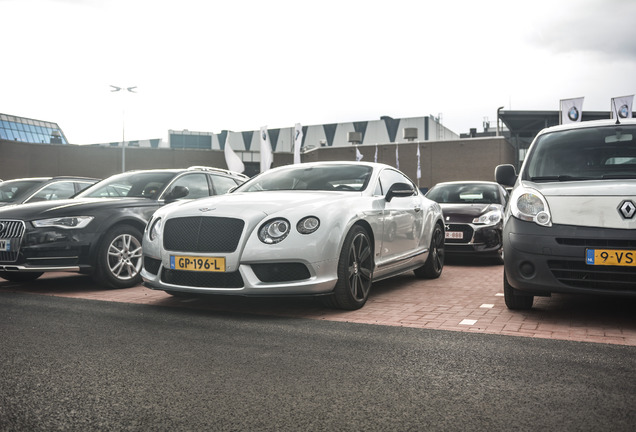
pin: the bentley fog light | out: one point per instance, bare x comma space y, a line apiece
71, 222
274, 231
308, 225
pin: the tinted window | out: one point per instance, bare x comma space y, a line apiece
581, 154
388, 178
465, 193
54, 191
134, 184
197, 185
222, 184
11, 191
324, 177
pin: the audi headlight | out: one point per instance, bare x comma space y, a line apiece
71, 222
491, 218
530, 205
274, 231
308, 225
155, 229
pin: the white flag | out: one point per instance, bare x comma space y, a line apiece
359, 155
266, 150
375, 158
397, 157
622, 107
298, 141
571, 110
234, 163
419, 167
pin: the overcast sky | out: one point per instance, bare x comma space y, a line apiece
209, 65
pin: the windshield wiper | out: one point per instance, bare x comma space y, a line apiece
559, 178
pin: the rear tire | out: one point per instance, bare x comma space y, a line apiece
20, 276
355, 272
514, 300
432, 268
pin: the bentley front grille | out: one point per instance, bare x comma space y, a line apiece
203, 234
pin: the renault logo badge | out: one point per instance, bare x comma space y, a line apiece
627, 209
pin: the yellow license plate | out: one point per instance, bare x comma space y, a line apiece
611, 257
193, 263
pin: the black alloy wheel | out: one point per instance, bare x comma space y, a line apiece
432, 268
355, 271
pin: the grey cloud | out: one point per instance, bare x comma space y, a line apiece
603, 27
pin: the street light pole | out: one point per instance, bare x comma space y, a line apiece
123, 124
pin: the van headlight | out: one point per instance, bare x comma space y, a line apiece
529, 205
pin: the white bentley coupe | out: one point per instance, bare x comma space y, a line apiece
324, 228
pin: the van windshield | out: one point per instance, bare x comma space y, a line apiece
595, 153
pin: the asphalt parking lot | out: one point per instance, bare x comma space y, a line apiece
468, 297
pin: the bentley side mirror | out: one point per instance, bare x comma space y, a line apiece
399, 190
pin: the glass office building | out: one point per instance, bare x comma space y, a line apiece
13, 128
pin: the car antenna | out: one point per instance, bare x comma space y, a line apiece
618, 118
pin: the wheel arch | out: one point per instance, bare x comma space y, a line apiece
135, 223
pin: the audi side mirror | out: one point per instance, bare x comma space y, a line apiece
176, 193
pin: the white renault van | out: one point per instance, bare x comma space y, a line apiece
570, 222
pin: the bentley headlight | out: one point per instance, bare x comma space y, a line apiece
155, 229
71, 222
530, 205
491, 218
274, 231
308, 225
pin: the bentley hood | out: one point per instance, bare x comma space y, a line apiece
265, 203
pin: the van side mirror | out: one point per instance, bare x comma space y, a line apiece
506, 175
400, 190
176, 193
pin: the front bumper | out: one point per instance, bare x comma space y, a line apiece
476, 239
257, 279
542, 260
49, 250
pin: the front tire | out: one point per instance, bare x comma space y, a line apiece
20, 276
355, 271
514, 300
119, 258
432, 268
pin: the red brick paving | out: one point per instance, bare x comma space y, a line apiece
466, 291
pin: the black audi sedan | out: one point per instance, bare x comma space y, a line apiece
473, 214
24, 190
99, 231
